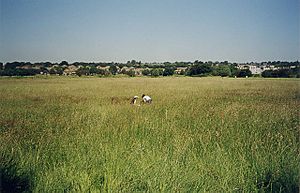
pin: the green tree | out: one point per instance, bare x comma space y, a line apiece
146, 72
93, 70
64, 63
200, 68
82, 71
169, 71
103, 72
222, 70
244, 73
113, 69
59, 70
52, 71
44, 69
155, 72
131, 73
233, 69
267, 73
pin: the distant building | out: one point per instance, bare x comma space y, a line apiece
70, 70
180, 69
256, 68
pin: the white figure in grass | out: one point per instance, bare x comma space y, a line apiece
133, 100
146, 99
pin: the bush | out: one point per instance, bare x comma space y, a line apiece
169, 71
19, 72
82, 71
131, 73
281, 73
146, 72
244, 73
222, 70
156, 72
200, 69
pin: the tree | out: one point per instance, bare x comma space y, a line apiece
169, 71
52, 71
103, 72
146, 72
131, 73
82, 71
1, 65
113, 69
222, 70
281, 73
64, 63
233, 69
19, 72
59, 70
13, 65
133, 62
267, 73
155, 72
200, 69
44, 69
244, 73
93, 70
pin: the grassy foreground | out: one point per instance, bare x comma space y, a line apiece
199, 135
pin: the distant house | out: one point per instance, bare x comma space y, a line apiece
255, 69
138, 71
70, 70
103, 68
178, 70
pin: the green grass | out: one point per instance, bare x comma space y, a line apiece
199, 135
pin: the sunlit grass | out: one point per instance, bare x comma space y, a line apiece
199, 135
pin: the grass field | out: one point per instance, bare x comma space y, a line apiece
199, 135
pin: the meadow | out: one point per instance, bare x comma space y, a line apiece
62, 134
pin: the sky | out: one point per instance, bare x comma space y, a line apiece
149, 30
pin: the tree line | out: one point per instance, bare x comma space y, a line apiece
196, 68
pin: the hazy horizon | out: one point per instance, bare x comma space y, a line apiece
149, 31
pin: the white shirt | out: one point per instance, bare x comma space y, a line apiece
146, 99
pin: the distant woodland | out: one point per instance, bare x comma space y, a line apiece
137, 68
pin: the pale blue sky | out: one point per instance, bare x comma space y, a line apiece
149, 30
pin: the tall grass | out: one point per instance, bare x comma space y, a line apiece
199, 135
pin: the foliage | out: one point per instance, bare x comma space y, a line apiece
169, 71
282, 73
131, 73
197, 68
243, 73
93, 70
222, 70
201, 69
113, 69
103, 72
155, 72
82, 71
64, 63
59, 70
146, 72
19, 72
44, 69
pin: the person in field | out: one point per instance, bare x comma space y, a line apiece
133, 100
146, 99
